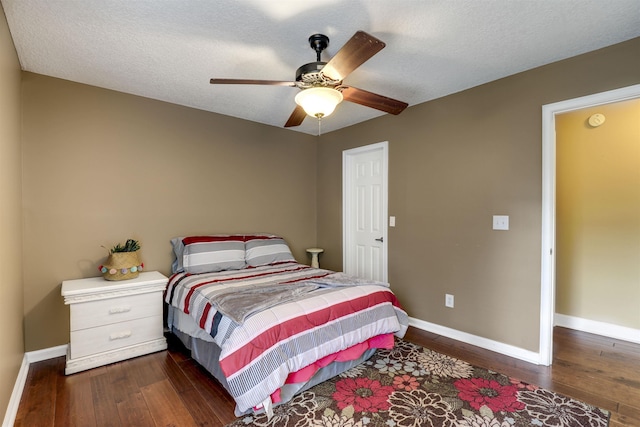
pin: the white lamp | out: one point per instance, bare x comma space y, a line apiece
319, 102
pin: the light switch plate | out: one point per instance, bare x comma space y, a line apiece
501, 222
392, 221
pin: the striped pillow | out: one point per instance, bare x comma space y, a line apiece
205, 254
178, 249
266, 250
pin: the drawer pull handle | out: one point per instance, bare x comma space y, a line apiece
116, 310
120, 335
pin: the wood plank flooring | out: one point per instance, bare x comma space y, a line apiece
169, 388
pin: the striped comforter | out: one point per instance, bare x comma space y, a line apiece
259, 353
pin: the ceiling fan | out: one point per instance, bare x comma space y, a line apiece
321, 82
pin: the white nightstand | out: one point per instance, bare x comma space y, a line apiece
314, 256
113, 321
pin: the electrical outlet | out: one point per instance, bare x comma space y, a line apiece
501, 222
448, 300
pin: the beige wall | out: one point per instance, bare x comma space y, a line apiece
12, 348
453, 163
102, 166
598, 214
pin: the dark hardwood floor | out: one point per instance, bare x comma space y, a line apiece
170, 389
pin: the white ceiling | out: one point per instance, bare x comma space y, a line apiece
168, 50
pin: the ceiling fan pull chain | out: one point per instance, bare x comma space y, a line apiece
319, 126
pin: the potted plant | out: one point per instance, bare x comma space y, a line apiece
123, 262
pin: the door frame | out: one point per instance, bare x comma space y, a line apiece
548, 282
347, 199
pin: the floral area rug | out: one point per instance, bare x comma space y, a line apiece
413, 386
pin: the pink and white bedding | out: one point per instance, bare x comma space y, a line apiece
272, 343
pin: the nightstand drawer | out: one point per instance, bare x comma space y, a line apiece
117, 335
113, 310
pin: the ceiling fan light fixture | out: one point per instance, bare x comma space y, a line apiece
319, 102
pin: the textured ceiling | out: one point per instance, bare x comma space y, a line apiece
168, 50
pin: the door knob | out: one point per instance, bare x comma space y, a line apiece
380, 240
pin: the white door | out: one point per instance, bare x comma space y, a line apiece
365, 211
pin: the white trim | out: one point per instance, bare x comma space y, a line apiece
599, 328
21, 379
46, 354
548, 285
346, 200
498, 347
548, 258
16, 395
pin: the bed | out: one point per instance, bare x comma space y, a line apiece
267, 327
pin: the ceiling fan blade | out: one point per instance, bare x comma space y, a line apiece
354, 53
296, 117
373, 100
250, 82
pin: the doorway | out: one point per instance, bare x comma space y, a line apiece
365, 188
548, 284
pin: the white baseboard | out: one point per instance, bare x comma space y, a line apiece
29, 358
16, 394
46, 353
498, 347
598, 328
